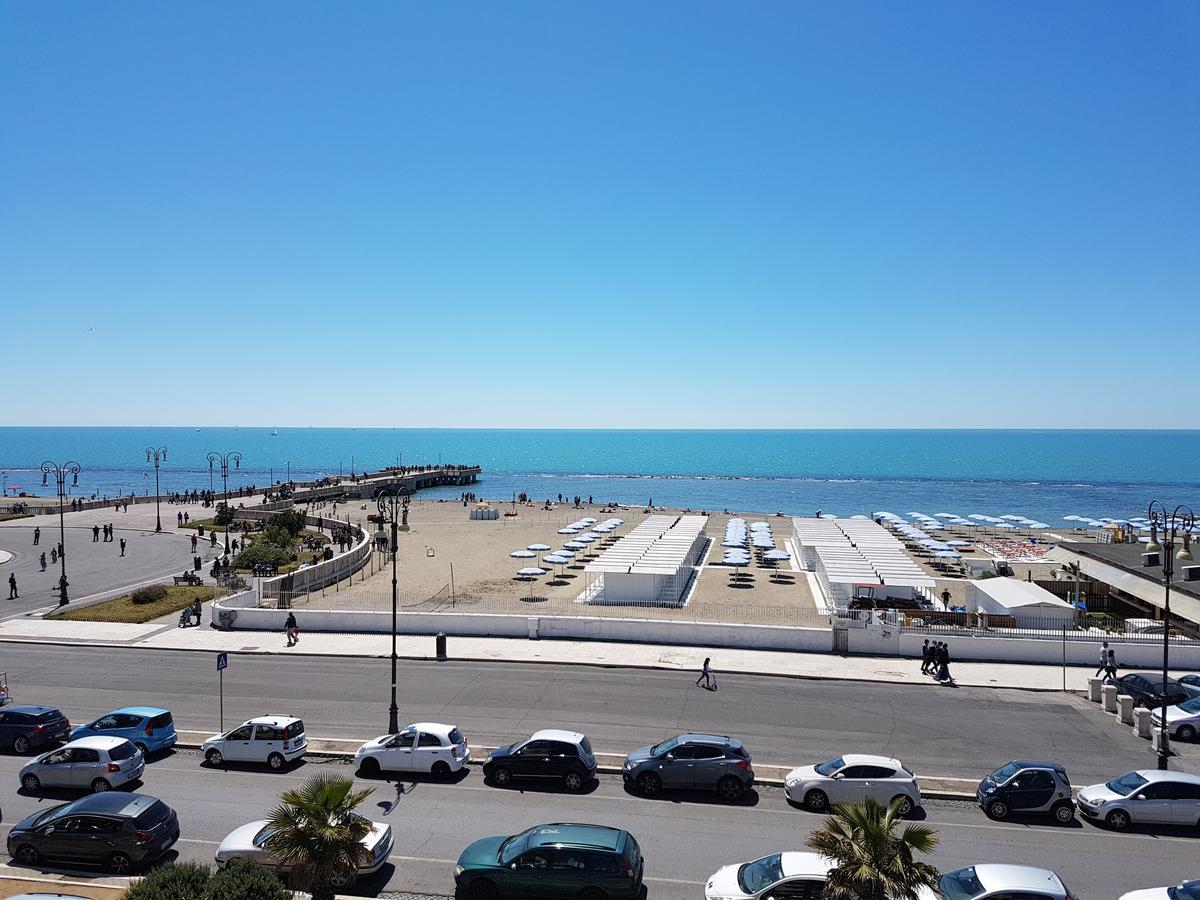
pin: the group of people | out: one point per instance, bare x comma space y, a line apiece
109, 536
1108, 662
935, 660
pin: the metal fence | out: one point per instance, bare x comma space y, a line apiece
1085, 627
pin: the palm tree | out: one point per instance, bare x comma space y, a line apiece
318, 836
871, 862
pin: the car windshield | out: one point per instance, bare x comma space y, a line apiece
828, 768
514, 847
263, 836
1126, 784
1189, 890
586, 745
760, 874
960, 885
1005, 772
664, 747
1192, 706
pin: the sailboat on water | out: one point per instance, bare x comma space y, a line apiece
274, 432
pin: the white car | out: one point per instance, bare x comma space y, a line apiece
89, 764
1000, 880
1183, 721
780, 876
853, 777
1149, 796
250, 842
423, 747
274, 740
1188, 890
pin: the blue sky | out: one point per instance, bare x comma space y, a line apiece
609, 214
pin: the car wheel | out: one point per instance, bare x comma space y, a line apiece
816, 800
31, 783
1064, 813
21, 744
729, 788
573, 781
1117, 820
275, 761
120, 864
214, 757
441, 770
482, 889
1186, 733
592, 894
903, 805
145, 750
27, 855
100, 785
370, 767
501, 777
997, 809
649, 784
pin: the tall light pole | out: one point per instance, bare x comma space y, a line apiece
157, 454
224, 459
1171, 524
60, 477
390, 505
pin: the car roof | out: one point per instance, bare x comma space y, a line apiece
696, 737
276, 720
115, 803
31, 710
866, 759
1155, 677
97, 742
1015, 878
148, 711
556, 734
805, 864
430, 728
1037, 764
1161, 775
600, 836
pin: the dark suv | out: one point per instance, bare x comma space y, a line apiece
115, 830
553, 861
703, 761
1146, 689
25, 728
1027, 786
548, 754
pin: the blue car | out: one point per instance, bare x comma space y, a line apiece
148, 728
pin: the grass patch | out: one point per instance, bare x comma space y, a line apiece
208, 525
123, 609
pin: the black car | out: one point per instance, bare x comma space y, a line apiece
25, 728
1146, 689
1027, 786
550, 754
708, 762
114, 830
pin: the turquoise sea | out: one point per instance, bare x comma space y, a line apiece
1042, 474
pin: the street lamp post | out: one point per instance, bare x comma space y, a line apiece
390, 506
157, 454
60, 477
1171, 524
224, 459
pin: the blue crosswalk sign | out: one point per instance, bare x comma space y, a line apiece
222, 661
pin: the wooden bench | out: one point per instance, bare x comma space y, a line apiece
190, 580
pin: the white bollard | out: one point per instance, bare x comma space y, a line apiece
1109, 695
1141, 723
1094, 685
1125, 707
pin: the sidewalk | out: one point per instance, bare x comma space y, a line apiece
166, 636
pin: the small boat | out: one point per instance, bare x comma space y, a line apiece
274, 432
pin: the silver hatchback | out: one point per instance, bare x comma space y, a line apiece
87, 764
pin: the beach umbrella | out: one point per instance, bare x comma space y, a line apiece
575, 545
946, 515
777, 555
958, 543
588, 520
740, 543
555, 560
522, 554
947, 554
538, 547
977, 517
584, 539
1038, 525
1014, 518
531, 572
568, 531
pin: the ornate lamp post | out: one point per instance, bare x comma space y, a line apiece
60, 473
389, 504
224, 459
1170, 524
157, 454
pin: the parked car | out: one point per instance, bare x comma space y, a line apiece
1187, 890
25, 728
548, 754
1144, 796
780, 876
90, 764
1146, 689
553, 861
698, 761
1000, 880
274, 740
250, 841
853, 777
148, 728
1027, 786
1183, 720
115, 830
424, 747
1191, 684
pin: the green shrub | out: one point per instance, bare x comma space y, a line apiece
274, 534
262, 552
291, 521
151, 593
224, 513
174, 881
244, 879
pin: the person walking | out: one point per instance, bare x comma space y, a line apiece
943, 674
1110, 666
122, 546
37, 536
926, 657
12, 586
95, 534
706, 673
290, 628
1103, 659
43, 562
194, 543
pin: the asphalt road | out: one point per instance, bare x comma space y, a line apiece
684, 838
937, 731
